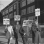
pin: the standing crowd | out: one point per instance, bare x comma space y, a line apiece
12, 32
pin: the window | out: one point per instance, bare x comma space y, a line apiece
14, 6
31, 9
6, 16
11, 15
11, 9
3, 17
6, 11
23, 12
14, 13
28, 10
31, 18
3, 13
30, 1
23, 3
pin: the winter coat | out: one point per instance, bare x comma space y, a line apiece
15, 32
37, 37
9, 32
8, 35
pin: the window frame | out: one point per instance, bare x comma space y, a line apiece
23, 11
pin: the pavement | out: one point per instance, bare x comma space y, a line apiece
3, 39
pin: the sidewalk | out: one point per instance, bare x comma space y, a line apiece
13, 42
30, 40
3, 40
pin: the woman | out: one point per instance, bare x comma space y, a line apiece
38, 35
9, 33
23, 35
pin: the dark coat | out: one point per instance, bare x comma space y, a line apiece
37, 37
15, 32
21, 31
33, 30
8, 35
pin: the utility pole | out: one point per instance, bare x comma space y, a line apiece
37, 8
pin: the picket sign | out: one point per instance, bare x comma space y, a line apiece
37, 12
6, 21
16, 17
27, 23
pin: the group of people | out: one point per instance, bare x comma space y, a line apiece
13, 31
36, 32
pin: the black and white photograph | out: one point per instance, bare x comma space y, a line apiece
21, 21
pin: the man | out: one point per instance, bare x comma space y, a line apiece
36, 37
16, 31
23, 34
15, 34
33, 30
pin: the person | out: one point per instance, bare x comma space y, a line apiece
36, 37
37, 33
15, 34
33, 32
16, 28
22, 33
9, 33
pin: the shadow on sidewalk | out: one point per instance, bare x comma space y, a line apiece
1, 42
2, 34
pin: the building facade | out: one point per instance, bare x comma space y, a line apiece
24, 8
9, 11
27, 9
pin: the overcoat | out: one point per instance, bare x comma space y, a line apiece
37, 37
8, 35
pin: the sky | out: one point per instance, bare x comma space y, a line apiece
4, 3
